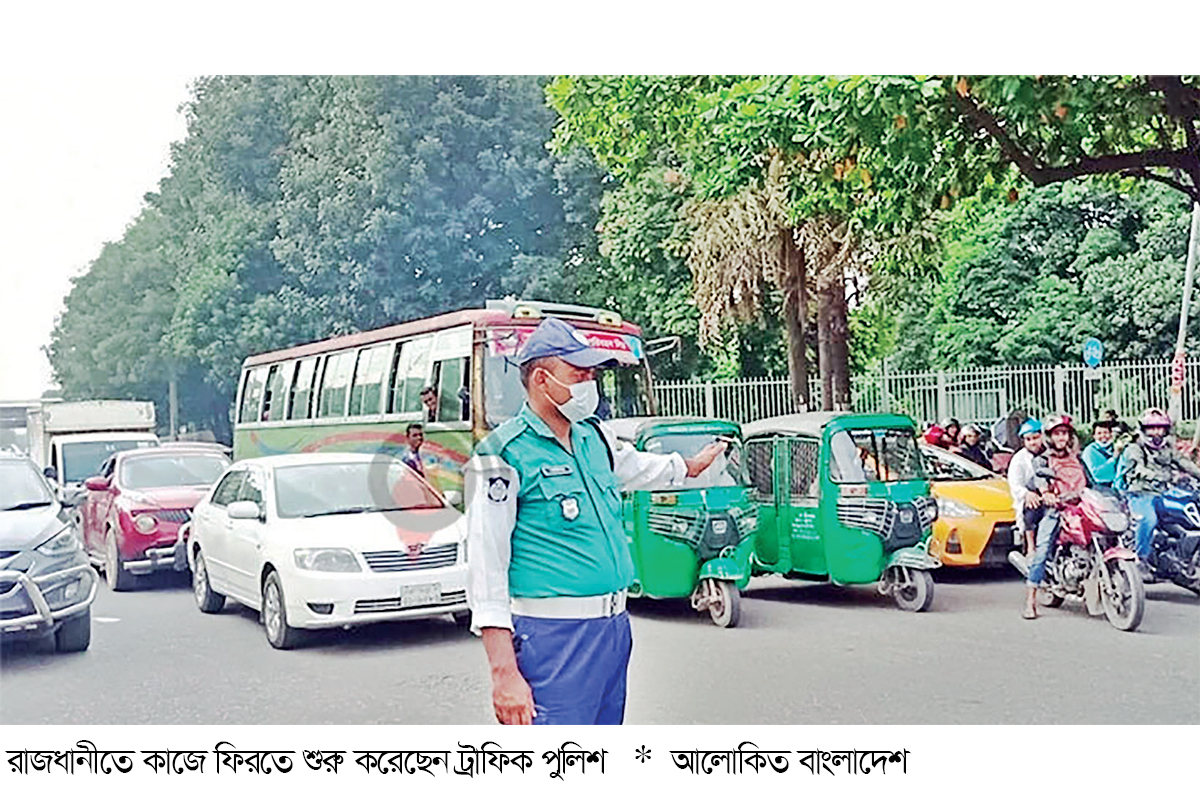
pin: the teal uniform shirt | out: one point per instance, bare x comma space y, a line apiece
568, 539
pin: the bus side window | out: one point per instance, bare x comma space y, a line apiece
275, 394
409, 375
451, 378
301, 392
366, 391
335, 385
252, 393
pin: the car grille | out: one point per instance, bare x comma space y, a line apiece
996, 551
899, 525
393, 603
442, 555
173, 515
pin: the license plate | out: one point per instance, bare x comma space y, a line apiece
421, 594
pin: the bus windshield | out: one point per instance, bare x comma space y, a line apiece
622, 387
622, 391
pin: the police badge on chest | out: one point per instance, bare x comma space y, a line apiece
570, 508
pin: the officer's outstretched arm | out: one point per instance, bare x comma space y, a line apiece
637, 471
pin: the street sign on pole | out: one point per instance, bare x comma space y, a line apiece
1093, 352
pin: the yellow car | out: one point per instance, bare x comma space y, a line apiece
976, 526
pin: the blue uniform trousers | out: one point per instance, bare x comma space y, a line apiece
575, 667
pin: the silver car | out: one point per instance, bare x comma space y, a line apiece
46, 584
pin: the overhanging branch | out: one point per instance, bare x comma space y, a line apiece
1185, 160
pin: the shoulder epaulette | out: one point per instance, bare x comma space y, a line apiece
495, 442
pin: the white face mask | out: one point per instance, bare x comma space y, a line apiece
585, 398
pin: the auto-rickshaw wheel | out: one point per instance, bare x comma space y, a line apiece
914, 591
724, 604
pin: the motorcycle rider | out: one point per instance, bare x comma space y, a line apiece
972, 448
1102, 454
1070, 479
1146, 469
1020, 470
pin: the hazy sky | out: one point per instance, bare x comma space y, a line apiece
77, 154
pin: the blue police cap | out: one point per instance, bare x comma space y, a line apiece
553, 337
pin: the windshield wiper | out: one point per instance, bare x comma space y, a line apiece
30, 504
355, 510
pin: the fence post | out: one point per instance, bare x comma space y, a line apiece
885, 399
1060, 386
943, 400
709, 401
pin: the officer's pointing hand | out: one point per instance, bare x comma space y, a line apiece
702, 460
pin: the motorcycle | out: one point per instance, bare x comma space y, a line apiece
1091, 563
1175, 553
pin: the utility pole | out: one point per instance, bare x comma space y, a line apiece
173, 401
1178, 373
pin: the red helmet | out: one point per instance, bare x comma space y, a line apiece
1057, 421
934, 434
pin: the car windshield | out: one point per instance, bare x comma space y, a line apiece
726, 470
22, 487
383, 484
864, 455
945, 467
161, 469
82, 460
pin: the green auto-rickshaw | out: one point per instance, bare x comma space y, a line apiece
843, 497
695, 541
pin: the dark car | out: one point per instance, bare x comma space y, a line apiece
46, 584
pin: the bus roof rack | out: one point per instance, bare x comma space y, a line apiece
536, 309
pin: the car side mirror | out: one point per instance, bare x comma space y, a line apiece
244, 509
51, 474
97, 484
454, 497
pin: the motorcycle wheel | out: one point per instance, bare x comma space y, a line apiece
915, 594
1124, 608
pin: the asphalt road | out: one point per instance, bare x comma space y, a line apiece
804, 654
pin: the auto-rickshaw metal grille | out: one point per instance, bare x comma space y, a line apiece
684, 526
874, 514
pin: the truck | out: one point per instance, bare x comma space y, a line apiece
69, 441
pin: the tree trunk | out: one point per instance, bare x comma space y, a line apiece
840, 333
825, 352
795, 312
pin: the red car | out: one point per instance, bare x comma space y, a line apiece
137, 504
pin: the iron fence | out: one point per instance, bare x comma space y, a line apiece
978, 395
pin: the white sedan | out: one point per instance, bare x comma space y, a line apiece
323, 540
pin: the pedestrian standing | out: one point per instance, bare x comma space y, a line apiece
1026, 506
414, 436
549, 563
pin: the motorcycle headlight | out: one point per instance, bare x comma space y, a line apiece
145, 523
953, 508
60, 544
326, 559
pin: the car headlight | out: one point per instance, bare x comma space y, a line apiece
60, 544
326, 559
953, 508
145, 523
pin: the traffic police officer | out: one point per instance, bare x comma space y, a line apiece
547, 557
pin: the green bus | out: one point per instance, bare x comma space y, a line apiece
359, 392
